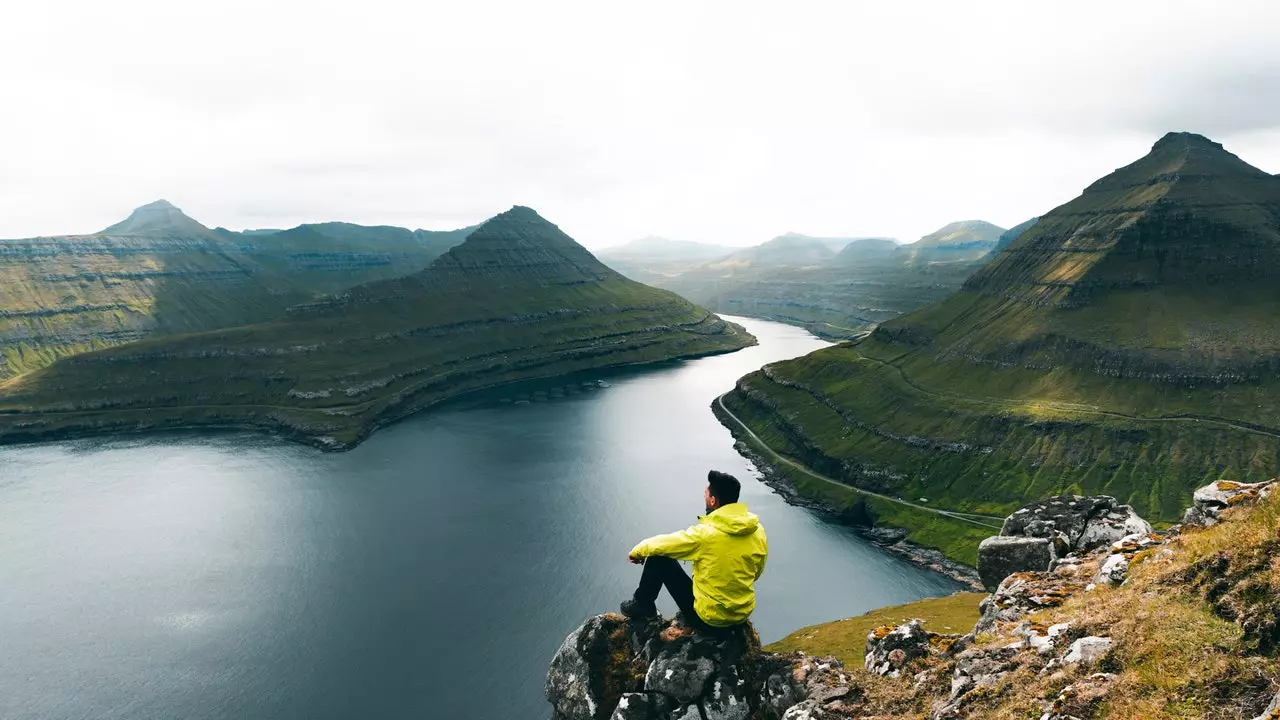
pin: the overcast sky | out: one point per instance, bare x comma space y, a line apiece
723, 122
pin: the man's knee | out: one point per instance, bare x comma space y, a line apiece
660, 562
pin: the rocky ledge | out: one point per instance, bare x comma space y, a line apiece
1025, 655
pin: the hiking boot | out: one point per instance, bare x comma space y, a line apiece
635, 609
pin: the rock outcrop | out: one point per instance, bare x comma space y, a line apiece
1045, 645
1210, 500
1034, 537
615, 668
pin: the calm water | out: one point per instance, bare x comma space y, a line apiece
430, 573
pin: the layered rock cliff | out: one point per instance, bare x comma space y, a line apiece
517, 300
159, 272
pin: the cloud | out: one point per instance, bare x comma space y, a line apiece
717, 121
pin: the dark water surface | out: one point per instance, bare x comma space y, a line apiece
430, 573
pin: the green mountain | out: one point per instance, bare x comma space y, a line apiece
159, 272
839, 294
1127, 344
518, 299
1008, 236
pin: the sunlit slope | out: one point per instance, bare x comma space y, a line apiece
518, 299
1127, 344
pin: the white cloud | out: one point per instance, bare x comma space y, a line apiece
717, 121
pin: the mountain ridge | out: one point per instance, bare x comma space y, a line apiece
516, 300
1127, 343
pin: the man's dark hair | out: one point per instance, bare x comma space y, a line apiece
724, 487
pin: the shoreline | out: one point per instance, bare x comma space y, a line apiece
885, 537
320, 442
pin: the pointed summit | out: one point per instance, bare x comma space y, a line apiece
160, 218
1188, 213
518, 244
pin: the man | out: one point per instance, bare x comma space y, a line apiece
728, 548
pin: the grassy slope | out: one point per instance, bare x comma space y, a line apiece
1194, 631
331, 375
846, 639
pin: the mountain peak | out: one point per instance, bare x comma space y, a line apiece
1186, 140
518, 244
157, 218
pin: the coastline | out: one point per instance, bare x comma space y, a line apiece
885, 537
135, 429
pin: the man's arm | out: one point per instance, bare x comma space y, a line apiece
681, 545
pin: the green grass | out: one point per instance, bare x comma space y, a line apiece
846, 639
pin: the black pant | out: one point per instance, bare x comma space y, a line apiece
660, 571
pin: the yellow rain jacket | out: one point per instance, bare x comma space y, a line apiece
728, 548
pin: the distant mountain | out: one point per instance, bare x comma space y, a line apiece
161, 272
1008, 236
801, 280
652, 258
965, 241
864, 250
1127, 343
518, 299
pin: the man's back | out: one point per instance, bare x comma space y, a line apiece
728, 548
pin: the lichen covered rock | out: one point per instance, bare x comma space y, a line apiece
999, 557
890, 648
615, 668
1209, 501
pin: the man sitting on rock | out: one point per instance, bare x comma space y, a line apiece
728, 548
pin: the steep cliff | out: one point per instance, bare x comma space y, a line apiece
518, 299
159, 272
1127, 343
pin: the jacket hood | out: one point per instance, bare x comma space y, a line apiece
733, 519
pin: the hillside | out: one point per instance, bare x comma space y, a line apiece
1182, 624
160, 272
1128, 343
838, 294
518, 299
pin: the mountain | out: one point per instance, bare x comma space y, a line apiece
964, 241
161, 272
799, 279
517, 300
1128, 343
864, 250
650, 259
1008, 236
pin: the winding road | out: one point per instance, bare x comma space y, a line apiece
988, 521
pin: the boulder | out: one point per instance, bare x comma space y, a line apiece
1273, 710
1078, 523
1209, 501
1087, 651
1113, 570
890, 648
1000, 556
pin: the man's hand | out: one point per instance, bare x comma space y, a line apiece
634, 560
